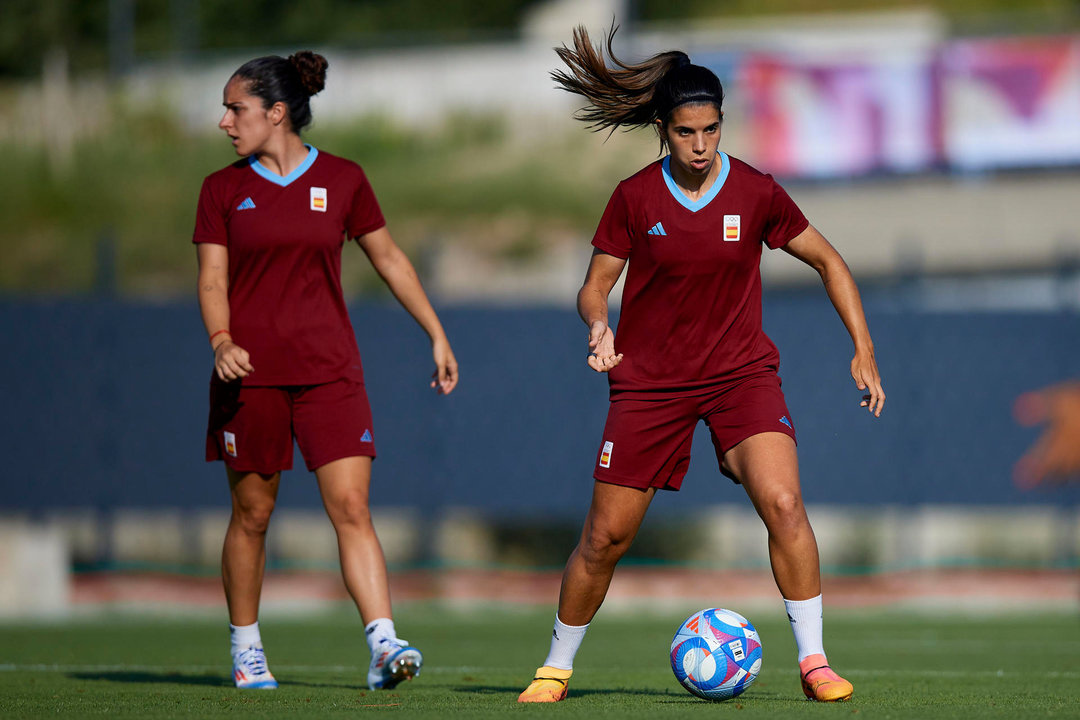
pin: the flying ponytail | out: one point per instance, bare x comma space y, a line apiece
632, 95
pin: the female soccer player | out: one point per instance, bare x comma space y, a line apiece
690, 345
270, 229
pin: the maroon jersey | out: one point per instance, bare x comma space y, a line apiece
691, 306
284, 236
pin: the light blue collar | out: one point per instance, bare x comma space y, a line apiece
283, 181
695, 205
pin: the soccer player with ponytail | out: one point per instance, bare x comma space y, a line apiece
689, 230
270, 230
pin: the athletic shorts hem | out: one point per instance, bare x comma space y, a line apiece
244, 468
672, 483
317, 463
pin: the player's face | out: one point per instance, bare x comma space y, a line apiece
245, 121
693, 134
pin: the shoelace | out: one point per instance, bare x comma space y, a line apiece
391, 644
254, 659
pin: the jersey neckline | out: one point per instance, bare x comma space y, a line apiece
680, 196
273, 177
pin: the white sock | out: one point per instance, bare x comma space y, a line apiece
805, 617
244, 637
379, 630
565, 641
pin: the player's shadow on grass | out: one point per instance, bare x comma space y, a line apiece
672, 697
164, 678
134, 676
494, 690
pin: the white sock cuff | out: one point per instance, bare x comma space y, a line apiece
565, 641
569, 628
378, 630
245, 636
802, 610
377, 622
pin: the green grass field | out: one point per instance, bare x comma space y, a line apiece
902, 666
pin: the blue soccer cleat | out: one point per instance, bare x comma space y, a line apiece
250, 671
392, 661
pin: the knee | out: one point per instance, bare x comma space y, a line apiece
784, 509
602, 548
253, 518
350, 510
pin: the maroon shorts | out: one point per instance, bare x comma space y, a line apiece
252, 428
647, 442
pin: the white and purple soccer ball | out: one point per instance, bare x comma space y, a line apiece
716, 654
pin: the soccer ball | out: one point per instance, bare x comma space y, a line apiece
716, 654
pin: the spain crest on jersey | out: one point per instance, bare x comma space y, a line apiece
318, 199
732, 228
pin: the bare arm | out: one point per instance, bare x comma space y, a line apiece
400, 276
592, 302
812, 248
230, 360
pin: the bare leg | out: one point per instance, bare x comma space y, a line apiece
614, 517
344, 485
243, 558
768, 468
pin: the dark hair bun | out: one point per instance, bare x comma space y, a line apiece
312, 68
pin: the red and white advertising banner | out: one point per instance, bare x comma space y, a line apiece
1011, 102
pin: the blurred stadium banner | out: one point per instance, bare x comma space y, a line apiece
819, 119
968, 105
1011, 102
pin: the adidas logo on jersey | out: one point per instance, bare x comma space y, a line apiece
248, 204
657, 229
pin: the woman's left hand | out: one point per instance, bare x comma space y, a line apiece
864, 371
445, 377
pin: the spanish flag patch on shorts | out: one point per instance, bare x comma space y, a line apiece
605, 456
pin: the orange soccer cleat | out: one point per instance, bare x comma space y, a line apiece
549, 685
820, 683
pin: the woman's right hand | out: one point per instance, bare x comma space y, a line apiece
445, 377
602, 357
231, 362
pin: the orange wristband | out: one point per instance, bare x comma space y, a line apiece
218, 333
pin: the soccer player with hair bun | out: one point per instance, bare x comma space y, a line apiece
270, 229
689, 230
